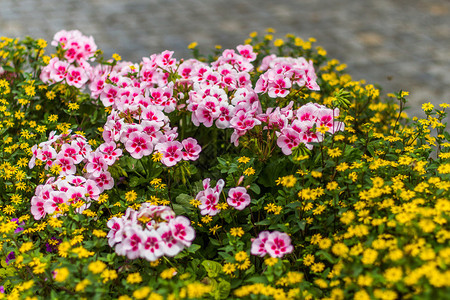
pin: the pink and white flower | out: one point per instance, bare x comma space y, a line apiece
278, 244
238, 198
139, 145
191, 149
171, 152
275, 243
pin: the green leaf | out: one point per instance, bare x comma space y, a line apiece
213, 268
183, 199
264, 222
327, 256
193, 248
255, 188
223, 290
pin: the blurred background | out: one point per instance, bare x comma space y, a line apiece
398, 44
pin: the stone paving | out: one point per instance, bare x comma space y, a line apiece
399, 44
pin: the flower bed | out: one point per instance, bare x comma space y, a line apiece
258, 172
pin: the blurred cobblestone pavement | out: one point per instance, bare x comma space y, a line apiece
399, 44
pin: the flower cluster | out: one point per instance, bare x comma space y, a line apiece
150, 232
64, 153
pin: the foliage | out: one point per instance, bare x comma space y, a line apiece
265, 172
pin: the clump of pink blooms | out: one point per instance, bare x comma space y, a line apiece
83, 172
209, 197
150, 232
275, 243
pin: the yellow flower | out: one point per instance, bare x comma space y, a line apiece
96, 267
192, 45
243, 160
116, 57
142, 292
214, 229
308, 259
82, 285
108, 275
278, 43
168, 273
156, 156
393, 274
318, 267
131, 196
427, 107
241, 256
134, 278
335, 152
206, 219
249, 171
26, 247
61, 274
195, 202
287, 181
229, 268
237, 231
331, 186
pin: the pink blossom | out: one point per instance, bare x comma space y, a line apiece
76, 76
258, 245
133, 244
116, 225
171, 246
279, 86
278, 244
104, 181
139, 145
238, 198
110, 152
37, 207
95, 164
191, 149
152, 246
288, 139
67, 165
209, 201
171, 152
182, 230
247, 52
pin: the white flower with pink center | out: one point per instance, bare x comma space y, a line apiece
139, 145
56, 198
152, 246
191, 149
171, 246
238, 198
278, 244
134, 242
110, 152
164, 234
95, 164
67, 165
182, 230
37, 207
76, 76
116, 226
104, 181
288, 139
171, 152
279, 86
275, 243
259, 244
57, 69
209, 197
